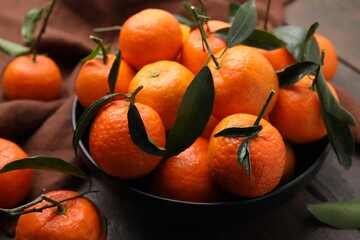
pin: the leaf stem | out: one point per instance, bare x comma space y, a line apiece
99, 42
203, 36
35, 44
268, 99
267, 15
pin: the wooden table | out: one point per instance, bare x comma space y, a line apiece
339, 20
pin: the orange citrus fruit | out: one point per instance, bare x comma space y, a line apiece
112, 147
25, 79
186, 176
330, 59
279, 58
242, 82
92, 80
79, 220
14, 185
194, 53
297, 113
165, 83
148, 36
267, 158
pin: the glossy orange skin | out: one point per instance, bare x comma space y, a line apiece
111, 146
186, 176
148, 36
14, 185
92, 80
279, 58
25, 79
267, 154
81, 220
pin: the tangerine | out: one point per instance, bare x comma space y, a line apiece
92, 80
297, 113
165, 83
194, 54
242, 82
14, 185
112, 147
186, 176
148, 36
25, 78
279, 58
267, 158
330, 59
78, 220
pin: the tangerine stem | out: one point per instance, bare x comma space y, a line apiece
35, 44
108, 29
268, 99
203, 36
99, 41
132, 95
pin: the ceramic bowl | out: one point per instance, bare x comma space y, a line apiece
310, 158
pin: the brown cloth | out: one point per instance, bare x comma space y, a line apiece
44, 128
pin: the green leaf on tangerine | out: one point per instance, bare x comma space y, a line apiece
13, 49
243, 25
264, 39
238, 132
94, 53
310, 49
337, 120
87, 116
243, 156
193, 113
114, 72
293, 73
29, 23
138, 133
46, 163
343, 215
294, 36
233, 7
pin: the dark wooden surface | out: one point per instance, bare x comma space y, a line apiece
339, 20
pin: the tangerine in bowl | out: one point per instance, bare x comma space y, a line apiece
138, 193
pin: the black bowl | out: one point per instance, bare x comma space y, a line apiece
310, 158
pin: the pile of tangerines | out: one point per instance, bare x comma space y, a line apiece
243, 145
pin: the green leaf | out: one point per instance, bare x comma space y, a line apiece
243, 25
139, 135
13, 49
46, 163
188, 8
243, 156
310, 49
193, 113
186, 21
264, 39
294, 36
29, 23
337, 120
114, 72
293, 73
344, 215
238, 132
87, 116
94, 53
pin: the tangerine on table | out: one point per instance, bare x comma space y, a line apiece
330, 59
297, 112
242, 82
193, 53
24, 78
267, 154
80, 220
148, 36
164, 84
186, 176
112, 147
14, 185
92, 80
